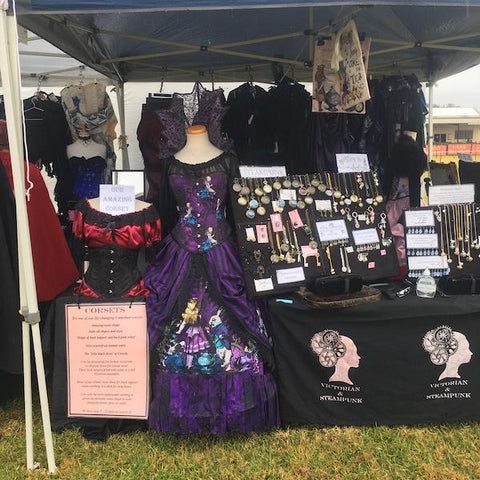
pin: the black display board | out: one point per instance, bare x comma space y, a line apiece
443, 238
293, 228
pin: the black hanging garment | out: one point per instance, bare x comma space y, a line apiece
290, 117
10, 321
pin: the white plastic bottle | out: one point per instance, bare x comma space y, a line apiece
426, 286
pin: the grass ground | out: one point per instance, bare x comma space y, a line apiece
434, 452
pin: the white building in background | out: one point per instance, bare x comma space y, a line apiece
456, 130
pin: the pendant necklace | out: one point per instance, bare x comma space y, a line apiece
274, 258
327, 251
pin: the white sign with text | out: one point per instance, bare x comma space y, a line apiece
249, 171
117, 199
448, 194
352, 162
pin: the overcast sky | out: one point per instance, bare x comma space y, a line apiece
462, 89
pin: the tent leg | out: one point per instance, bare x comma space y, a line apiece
10, 72
122, 141
430, 122
27, 386
42, 389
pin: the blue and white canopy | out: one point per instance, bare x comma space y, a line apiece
182, 40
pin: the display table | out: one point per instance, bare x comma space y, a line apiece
383, 363
54, 341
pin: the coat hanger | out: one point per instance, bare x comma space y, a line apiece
33, 107
160, 93
40, 94
213, 80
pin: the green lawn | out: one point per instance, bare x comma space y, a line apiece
439, 452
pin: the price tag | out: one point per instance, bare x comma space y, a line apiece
423, 240
276, 207
295, 219
250, 233
277, 224
262, 234
288, 194
263, 284
308, 251
352, 162
117, 199
323, 205
431, 262
365, 236
419, 218
448, 194
290, 275
332, 230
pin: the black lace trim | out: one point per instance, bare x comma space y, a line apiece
224, 162
92, 216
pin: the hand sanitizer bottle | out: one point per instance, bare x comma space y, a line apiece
426, 286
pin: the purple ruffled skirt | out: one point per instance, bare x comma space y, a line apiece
210, 377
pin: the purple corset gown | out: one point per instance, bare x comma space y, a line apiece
208, 345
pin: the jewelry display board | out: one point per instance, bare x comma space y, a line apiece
296, 227
444, 239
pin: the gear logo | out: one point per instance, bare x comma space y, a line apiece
449, 348
338, 351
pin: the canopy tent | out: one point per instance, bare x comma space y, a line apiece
42, 64
237, 40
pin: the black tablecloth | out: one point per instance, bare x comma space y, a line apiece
374, 364
54, 344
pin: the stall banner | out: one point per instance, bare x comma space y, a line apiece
378, 364
107, 360
339, 73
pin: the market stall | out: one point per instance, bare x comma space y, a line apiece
191, 331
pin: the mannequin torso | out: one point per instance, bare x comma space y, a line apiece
87, 149
198, 148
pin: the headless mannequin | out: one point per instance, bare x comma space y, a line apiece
198, 148
95, 204
86, 147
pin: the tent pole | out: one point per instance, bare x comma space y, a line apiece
430, 122
35, 319
28, 298
12, 108
391, 50
122, 141
233, 53
311, 43
454, 48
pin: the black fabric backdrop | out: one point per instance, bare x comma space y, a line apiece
10, 321
395, 381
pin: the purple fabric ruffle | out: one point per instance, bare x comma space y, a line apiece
218, 404
166, 276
